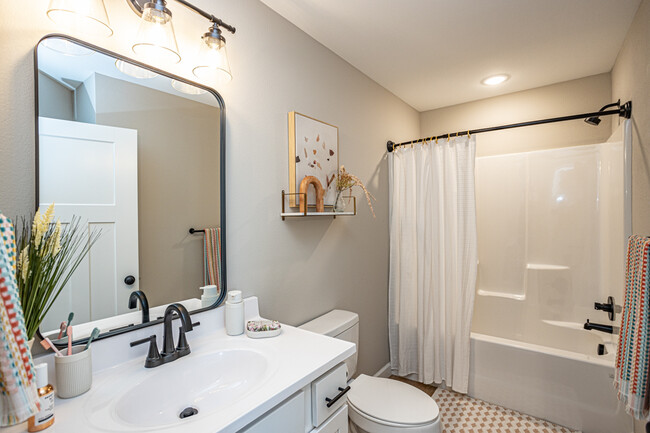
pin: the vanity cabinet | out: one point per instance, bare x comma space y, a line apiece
307, 410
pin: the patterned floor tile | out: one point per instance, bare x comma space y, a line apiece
463, 414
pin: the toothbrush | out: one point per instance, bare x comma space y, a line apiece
47, 344
62, 328
70, 317
93, 335
69, 340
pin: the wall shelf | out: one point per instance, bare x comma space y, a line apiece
308, 213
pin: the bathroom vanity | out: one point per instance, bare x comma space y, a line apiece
236, 384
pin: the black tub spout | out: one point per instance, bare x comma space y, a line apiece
598, 327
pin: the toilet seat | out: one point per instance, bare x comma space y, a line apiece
381, 405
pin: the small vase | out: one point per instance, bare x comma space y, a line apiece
30, 343
341, 202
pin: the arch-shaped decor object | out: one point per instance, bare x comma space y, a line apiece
304, 186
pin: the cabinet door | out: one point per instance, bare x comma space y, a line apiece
325, 389
337, 423
288, 417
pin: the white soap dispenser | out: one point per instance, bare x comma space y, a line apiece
209, 296
234, 313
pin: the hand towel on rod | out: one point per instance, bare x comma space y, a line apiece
212, 257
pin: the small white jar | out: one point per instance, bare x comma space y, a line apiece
234, 313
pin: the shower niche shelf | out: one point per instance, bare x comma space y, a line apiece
310, 213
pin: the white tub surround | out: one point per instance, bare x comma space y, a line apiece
572, 389
263, 374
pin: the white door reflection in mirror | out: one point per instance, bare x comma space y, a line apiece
91, 171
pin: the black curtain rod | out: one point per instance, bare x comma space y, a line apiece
623, 111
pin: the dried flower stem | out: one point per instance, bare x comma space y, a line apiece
346, 181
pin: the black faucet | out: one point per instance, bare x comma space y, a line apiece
169, 353
598, 327
136, 296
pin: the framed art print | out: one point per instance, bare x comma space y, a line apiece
313, 151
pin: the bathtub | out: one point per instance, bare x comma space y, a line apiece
565, 387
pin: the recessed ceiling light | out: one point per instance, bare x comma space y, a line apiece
495, 79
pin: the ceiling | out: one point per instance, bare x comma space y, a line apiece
434, 53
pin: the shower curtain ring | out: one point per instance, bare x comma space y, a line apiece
468, 134
447, 137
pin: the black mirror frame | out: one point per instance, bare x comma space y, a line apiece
222, 162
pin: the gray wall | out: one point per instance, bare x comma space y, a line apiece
571, 97
299, 268
55, 100
631, 81
178, 181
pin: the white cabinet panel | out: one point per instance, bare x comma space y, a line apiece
328, 386
337, 423
288, 417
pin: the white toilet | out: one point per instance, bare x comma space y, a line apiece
377, 405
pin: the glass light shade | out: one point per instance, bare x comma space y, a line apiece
133, 70
156, 41
214, 67
85, 17
66, 47
187, 88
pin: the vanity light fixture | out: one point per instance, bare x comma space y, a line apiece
156, 31
156, 41
495, 79
214, 67
84, 17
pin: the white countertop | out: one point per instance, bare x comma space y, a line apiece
296, 358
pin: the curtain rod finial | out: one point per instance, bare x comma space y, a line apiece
390, 145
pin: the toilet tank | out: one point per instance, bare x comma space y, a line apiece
340, 324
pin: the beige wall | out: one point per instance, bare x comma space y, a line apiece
631, 81
178, 164
298, 268
55, 100
562, 99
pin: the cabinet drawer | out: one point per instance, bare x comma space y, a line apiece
324, 390
288, 417
337, 423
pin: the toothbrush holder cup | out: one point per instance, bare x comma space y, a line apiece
74, 373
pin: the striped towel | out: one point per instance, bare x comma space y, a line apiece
18, 397
632, 362
212, 258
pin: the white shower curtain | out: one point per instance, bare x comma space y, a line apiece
433, 260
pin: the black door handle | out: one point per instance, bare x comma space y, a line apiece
129, 280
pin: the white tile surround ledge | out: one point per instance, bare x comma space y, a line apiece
297, 358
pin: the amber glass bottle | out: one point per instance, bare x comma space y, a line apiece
45, 417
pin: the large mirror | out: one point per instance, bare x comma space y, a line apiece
138, 155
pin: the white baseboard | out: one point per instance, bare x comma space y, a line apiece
384, 371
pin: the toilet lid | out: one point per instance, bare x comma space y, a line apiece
392, 401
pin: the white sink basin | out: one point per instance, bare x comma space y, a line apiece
211, 381
206, 382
